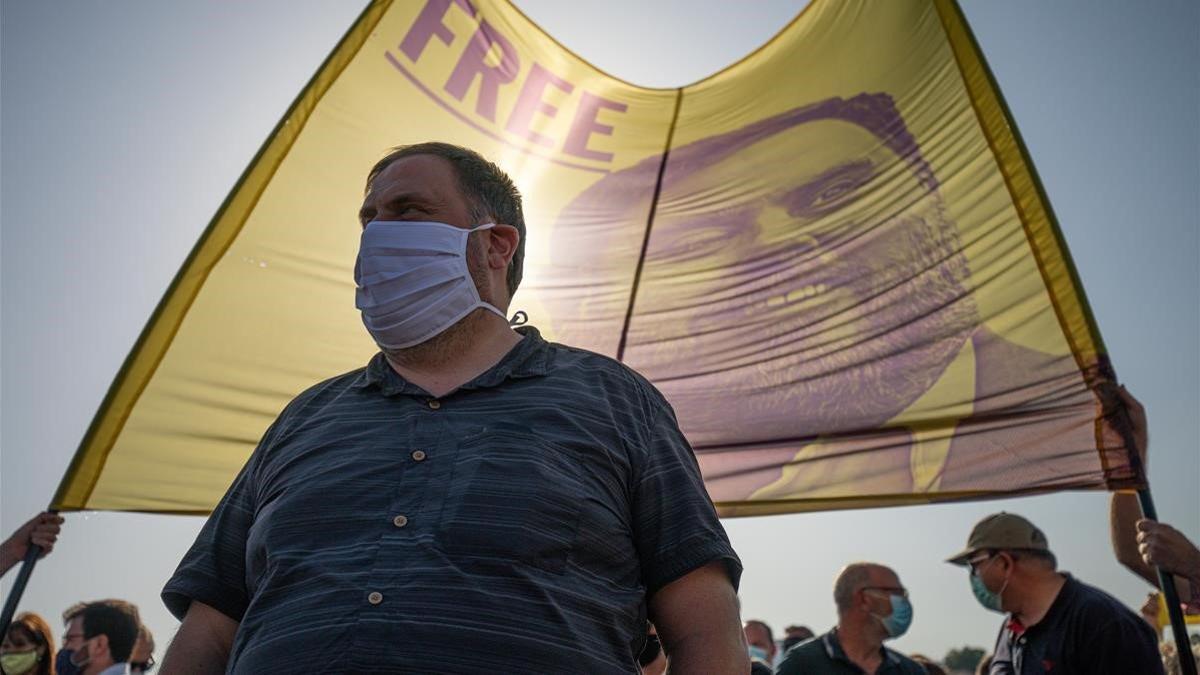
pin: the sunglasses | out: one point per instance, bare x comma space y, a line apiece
890, 590
142, 666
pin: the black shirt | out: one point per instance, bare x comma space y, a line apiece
517, 524
1085, 632
824, 656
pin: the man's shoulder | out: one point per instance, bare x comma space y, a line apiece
322, 394
331, 386
903, 662
1095, 609
577, 362
1091, 600
807, 654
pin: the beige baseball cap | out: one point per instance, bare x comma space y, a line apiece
1001, 530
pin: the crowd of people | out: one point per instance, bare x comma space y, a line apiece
1052, 621
102, 637
1050, 618
489, 501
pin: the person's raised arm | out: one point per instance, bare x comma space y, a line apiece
1138, 543
202, 644
697, 620
41, 530
1124, 510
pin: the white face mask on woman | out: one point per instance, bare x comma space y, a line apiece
413, 281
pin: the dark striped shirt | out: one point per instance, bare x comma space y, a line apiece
516, 525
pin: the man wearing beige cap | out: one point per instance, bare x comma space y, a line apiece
1053, 623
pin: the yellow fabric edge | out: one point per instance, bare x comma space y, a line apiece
84, 471
772, 507
1041, 228
723, 71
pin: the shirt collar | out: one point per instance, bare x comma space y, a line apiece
529, 358
833, 648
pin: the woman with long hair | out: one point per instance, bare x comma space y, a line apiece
28, 647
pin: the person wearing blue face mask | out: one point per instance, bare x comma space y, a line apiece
872, 607
761, 642
99, 638
1053, 623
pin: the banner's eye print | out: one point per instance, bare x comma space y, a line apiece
829, 191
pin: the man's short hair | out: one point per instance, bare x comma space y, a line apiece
852, 578
116, 619
762, 624
491, 194
795, 635
73, 611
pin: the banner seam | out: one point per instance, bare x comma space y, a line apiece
637, 273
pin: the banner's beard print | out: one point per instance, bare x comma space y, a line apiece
843, 338
802, 276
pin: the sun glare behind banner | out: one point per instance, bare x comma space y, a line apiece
832, 257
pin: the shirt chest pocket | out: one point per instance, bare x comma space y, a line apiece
514, 496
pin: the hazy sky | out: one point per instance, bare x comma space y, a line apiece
124, 124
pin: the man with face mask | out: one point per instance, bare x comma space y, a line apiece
99, 639
761, 642
1053, 623
475, 497
872, 607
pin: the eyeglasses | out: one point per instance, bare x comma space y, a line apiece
890, 590
142, 666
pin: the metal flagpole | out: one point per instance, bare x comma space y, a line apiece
18, 589
1183, 648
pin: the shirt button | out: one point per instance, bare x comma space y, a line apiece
418, 455
400, 521
434, 404
375, 597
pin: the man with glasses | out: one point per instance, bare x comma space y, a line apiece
99, 638
1053, 623
872, 607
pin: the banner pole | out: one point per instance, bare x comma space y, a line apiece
18, 589
1183, 648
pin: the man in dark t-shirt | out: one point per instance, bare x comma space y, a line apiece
1053, 623
475, 497
872, 607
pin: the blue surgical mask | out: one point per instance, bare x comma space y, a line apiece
897, 623
413, 281
758, 653
987, 598
63, 664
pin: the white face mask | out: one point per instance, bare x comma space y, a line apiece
413, 282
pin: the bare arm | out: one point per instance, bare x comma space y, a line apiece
1167, 548
42, 530
1137, 542
697, 619
1124, 513
202, 644
1123, 509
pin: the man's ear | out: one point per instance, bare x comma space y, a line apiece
860, 599
102, 644
502, 246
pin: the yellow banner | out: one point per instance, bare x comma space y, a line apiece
833, 257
